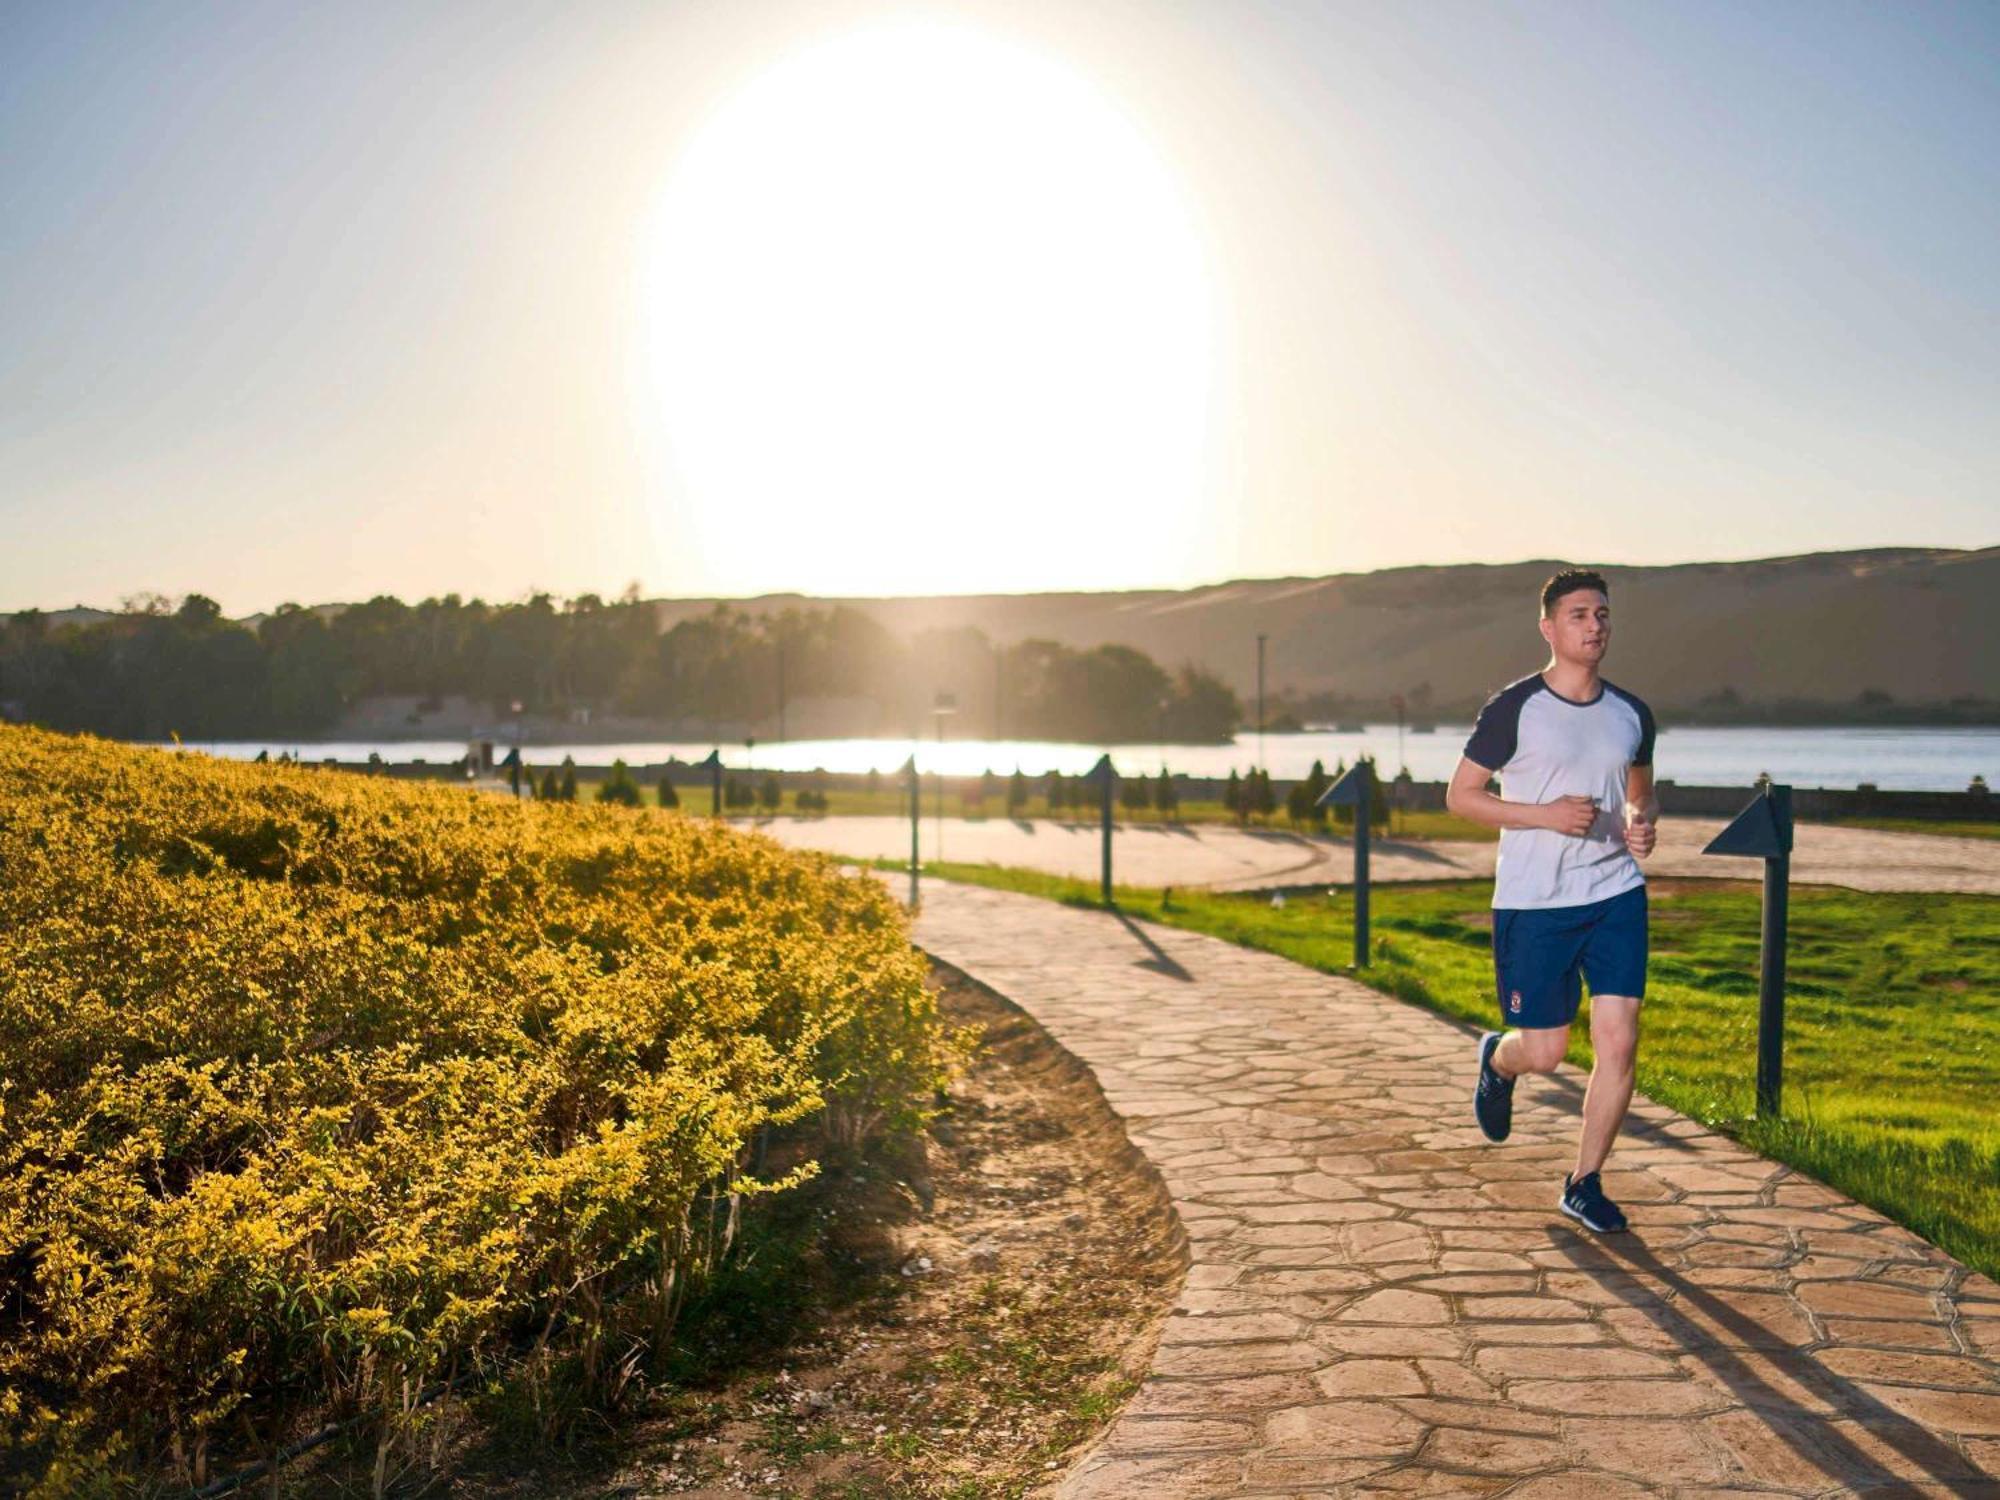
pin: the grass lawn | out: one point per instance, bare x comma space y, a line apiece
1892, 1025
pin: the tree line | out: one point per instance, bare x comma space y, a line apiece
156, 668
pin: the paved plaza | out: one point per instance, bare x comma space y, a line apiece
1149, 854
1378, 1301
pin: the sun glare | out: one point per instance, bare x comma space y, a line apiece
926, 313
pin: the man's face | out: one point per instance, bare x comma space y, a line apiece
1578, 627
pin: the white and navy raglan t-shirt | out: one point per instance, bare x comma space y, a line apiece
1544, 746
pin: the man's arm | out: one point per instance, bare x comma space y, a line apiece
1642, 810
1468, 798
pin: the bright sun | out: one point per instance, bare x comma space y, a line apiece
927, 314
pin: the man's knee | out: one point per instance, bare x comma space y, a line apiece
1540, 1050
1614, 1030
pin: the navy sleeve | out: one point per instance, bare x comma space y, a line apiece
1497, 730
1643, 756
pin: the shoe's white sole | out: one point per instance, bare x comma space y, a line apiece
1562, 1204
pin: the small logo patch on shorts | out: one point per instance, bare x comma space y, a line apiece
1514, 1002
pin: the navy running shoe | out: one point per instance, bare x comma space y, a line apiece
1493, 1099
1584, 1201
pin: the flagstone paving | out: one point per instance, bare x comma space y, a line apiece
1380, 1302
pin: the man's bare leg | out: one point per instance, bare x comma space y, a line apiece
1614, 1037
1535, 1049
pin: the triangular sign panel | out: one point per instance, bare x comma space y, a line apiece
1754, 833
714, 761
1352, 788
1100, 773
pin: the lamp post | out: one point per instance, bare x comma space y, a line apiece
1356, 789
515, 776
713, 765
916, 819
942, 707
1102, 776
1260, 702
1763, 830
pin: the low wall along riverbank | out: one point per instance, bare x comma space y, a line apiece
1816, 804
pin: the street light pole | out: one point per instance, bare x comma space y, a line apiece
1260, 702
713, 765
1763, 830
1103, 776
1356, 789
515, 775
943, 705
916, 821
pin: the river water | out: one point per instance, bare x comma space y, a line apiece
1901, 759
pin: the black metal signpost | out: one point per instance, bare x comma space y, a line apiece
1356, 789
713, 765
916, 820
1102, 776
1763, 830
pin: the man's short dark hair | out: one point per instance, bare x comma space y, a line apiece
1568, 581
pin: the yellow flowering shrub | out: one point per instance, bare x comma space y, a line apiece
317, 1089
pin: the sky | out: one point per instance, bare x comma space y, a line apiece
312, 303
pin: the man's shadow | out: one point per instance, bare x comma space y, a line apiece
1563, 1093
1812, 1437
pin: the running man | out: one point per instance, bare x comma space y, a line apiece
1574, 755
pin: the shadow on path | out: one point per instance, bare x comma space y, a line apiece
1419, 852
1161, 962
1278, 836
1565, 1096
1813, 1437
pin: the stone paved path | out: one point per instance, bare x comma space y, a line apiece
1380, 1302
1233, 859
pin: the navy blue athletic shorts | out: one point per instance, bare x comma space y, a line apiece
1543, 956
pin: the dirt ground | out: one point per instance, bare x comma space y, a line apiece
996, 1297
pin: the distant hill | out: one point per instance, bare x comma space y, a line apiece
1921, 624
